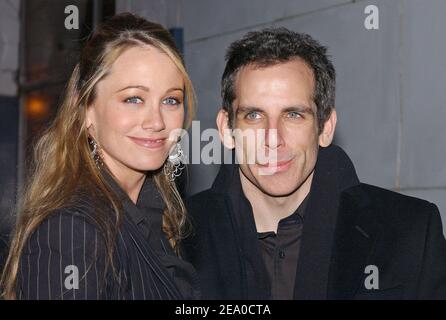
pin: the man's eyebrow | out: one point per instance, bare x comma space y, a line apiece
301, 109
246, 109
297, 108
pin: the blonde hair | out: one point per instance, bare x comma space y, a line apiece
62, 162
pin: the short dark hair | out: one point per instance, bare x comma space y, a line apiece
276, 45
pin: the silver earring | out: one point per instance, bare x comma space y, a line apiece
175, 162
95, 152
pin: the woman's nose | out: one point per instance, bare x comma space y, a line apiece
153, 120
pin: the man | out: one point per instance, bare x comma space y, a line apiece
299, 224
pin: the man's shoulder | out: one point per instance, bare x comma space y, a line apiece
389, 204
386, 197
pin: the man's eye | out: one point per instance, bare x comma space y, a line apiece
171, 101
294, 115
253, 116
134, 100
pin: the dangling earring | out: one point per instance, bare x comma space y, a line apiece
95, 152
175, 162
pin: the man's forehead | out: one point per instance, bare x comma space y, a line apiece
269, 64
258, 91
255, 76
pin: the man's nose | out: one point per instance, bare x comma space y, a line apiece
273, 134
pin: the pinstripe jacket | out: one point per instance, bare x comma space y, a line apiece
65, 259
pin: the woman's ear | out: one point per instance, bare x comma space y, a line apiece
327, 134
89, 118
224, 130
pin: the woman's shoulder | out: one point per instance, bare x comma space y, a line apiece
66, 230
79, 214
84, 205
82, 220
71, 214
67, 221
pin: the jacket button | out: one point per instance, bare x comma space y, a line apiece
281, 254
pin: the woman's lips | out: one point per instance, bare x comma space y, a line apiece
149, 143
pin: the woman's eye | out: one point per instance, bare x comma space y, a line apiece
171, 101
253, 116
134, 100
293, 115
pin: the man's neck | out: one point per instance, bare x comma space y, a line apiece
269, 210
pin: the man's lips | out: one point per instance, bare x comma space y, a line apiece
149, 143
276, 166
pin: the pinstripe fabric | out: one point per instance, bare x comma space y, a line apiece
68, 239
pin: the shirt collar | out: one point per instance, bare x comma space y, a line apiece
149, 199
297, 215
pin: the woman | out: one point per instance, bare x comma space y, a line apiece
102, 217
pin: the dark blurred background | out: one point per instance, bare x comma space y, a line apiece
37, 56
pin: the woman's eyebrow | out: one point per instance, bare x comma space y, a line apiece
144, 88
175, 89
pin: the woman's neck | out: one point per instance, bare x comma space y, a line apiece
129, 180
132, 185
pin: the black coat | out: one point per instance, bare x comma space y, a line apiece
348, 225
70, 237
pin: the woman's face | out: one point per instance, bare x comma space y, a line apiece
137, 106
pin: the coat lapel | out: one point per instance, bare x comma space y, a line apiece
314, 259
249, 277
151, 258
333, 173
149, 199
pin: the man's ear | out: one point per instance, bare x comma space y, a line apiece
327, 134
223, 129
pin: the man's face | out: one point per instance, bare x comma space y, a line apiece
276, 103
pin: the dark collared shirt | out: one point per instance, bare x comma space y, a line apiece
280, 252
